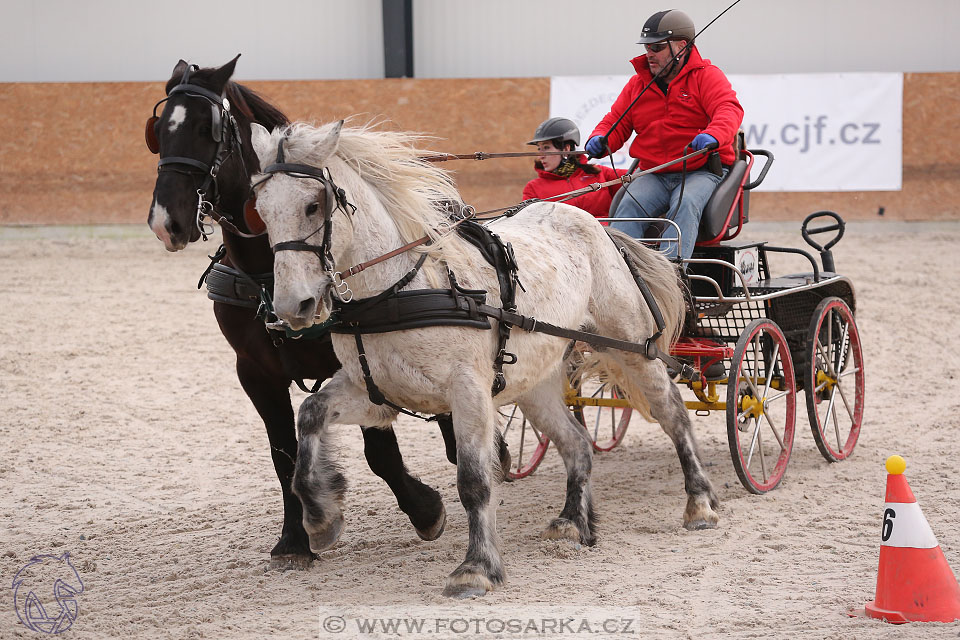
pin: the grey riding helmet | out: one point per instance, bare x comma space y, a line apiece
667, 25
563, 129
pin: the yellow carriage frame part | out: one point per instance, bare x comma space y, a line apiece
708, 396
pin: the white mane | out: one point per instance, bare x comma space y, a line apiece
415, 193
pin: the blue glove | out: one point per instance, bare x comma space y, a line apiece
704, 140
595, 147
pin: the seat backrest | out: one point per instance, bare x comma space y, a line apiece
716, 214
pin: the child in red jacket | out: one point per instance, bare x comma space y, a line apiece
563, 173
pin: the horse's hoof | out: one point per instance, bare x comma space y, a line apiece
562, 529
436, 530
470, 581
321, 540
462, 592
291, 562
699, 525
700, 513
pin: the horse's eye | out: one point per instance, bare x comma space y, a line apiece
312, 208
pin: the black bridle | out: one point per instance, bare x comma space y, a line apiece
332, 194
225, 132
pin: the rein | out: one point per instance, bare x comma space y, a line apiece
349, 318
340, 276
483, 155
569, 195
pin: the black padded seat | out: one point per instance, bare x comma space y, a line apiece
714, 219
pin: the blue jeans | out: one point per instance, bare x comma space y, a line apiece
657, 194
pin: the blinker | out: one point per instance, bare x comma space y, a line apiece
150, 134
251, 217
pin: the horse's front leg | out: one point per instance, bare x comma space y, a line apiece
271, 397
473, 423
422, 503
317, 478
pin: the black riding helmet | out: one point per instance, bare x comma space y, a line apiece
667, 25
562, 129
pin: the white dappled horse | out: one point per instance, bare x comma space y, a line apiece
572, 275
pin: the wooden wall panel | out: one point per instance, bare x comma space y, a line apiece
74, 152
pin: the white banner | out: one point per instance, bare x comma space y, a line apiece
827, 131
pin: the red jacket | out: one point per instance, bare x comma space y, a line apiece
699, 100
595, 202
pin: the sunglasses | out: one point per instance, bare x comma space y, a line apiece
657, 47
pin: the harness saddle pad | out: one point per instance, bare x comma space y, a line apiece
230, 286
412, 310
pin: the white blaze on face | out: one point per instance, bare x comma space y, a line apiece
177, 117
158, 224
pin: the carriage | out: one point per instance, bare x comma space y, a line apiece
753, 340
745, 330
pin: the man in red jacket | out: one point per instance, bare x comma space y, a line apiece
559, 174
681, 99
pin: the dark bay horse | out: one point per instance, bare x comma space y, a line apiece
203, 138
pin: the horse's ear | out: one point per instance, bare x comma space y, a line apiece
178, 69
329, 145
260, 138
176, 74
221, 76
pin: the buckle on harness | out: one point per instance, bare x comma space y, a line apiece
499, 383
505, 357
342, 289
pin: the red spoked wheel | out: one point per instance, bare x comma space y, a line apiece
833, 379
761, 406
605, 425
527, 445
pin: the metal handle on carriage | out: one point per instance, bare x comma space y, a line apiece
826, 256
763, 172
672, 223
723, 263
800, 252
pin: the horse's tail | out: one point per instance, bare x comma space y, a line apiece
662, 278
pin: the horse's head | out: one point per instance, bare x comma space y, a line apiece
198, 137
297, 200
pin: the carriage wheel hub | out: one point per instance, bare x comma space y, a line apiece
751, 406
825, 380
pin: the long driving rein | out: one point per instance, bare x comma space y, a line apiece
467, 307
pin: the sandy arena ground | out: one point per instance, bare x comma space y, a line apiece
125, 440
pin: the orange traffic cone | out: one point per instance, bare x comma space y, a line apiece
914, 582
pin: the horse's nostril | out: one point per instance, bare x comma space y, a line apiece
308, 308
174, 227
